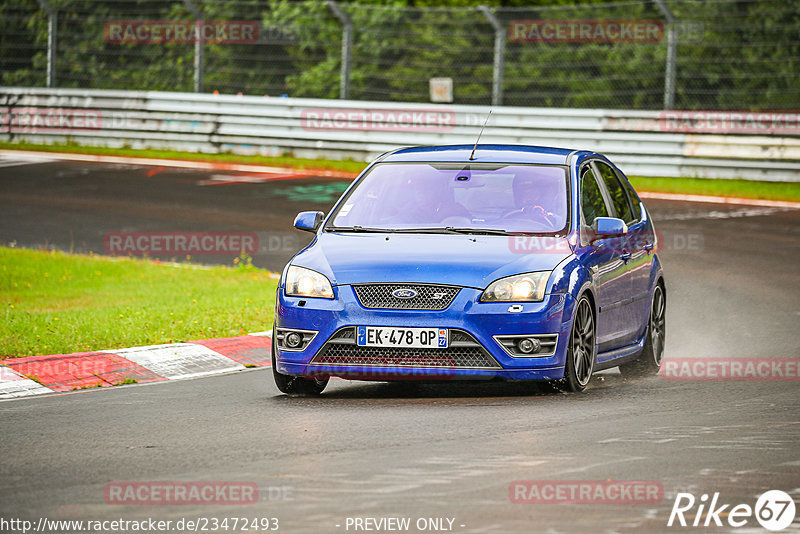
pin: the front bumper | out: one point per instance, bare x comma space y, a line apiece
478, 320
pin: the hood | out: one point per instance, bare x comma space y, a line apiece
461, 260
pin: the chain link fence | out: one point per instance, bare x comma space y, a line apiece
643, 54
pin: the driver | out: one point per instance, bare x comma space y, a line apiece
532, 197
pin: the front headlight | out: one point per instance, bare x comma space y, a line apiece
527, 287
302, 282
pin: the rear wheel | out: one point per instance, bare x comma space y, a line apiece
580, 351
292, 384
649, 362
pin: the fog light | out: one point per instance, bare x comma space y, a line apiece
529, 345
293, 340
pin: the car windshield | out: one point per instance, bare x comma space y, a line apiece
463, 198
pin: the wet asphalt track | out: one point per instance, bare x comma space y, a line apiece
410, 450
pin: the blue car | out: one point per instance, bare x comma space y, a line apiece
489, 262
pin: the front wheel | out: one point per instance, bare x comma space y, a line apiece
296, 385
580, 351
649, 362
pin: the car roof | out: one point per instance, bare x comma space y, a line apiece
483, 154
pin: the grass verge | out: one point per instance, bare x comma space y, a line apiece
695, 186
58, 303
725, 188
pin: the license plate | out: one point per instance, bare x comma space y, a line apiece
413, 338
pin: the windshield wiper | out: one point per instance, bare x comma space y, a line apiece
452, 230
432, 230
487, 231
357, 228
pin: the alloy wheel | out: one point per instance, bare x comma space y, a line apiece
658, 325
583, 343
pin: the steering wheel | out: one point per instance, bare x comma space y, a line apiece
537, 214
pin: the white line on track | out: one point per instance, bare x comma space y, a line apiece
716, 214
183, 164
17, 161
721, 200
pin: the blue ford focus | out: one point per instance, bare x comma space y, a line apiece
489, 262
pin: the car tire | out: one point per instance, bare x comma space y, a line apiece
649, 361
292, 384
580, 349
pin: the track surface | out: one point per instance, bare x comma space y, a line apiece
411, 450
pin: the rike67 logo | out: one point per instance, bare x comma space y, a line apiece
774, 510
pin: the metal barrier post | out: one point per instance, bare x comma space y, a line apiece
672, 55
52, 29
499, 55
198, 46
347, 46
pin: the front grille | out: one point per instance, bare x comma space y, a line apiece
428, 297
463, 352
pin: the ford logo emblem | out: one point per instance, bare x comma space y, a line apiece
404, 293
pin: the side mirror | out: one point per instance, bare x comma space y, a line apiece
309, 221
604, 227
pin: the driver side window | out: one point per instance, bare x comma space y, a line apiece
592, 203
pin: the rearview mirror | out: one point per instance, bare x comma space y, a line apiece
309, 221
604, 227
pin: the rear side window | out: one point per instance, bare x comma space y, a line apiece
636, 205
617, 193
592, 202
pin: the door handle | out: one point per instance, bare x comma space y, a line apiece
648, 247
625, 256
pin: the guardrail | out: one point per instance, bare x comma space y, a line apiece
756, 146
